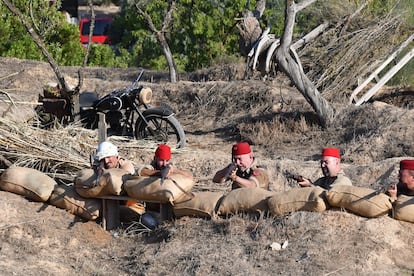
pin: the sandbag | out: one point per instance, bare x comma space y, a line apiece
245, 200
404, 208
109, 183
27, 182
65, 197
365, 202
146, 188
202, 204
310, 199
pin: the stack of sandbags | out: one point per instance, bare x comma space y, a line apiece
37, 186
27, 182
251, 200
365, 202
201, 204
88, 184
174, 188
65, 197
312, 199
404, 208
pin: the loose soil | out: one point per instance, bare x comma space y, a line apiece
217, 109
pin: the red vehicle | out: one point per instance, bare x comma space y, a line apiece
100, 31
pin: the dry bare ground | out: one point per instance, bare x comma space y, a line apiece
216, 111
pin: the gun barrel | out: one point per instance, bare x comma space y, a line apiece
230, 168
164, 172
296, 177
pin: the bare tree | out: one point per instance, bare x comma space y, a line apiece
71, 95
160, 35
39, 42
283, 54
290, 64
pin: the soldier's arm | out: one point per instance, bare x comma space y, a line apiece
305, 183
242, 182
179, 171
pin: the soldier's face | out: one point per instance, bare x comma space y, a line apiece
330, 166
406, 177
160, 163
243, 161
111, 162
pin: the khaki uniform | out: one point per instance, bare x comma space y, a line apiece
126, 165
148, 167
255, 173
329, 182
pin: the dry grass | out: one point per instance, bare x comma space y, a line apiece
215, 115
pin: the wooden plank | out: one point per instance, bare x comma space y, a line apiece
386, 78
380, 68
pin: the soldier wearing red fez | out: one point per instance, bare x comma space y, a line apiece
331, 169
162, 163
243, 171
405, 184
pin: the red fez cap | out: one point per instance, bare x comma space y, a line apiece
163, 152
241, 148
407, 165
334, 152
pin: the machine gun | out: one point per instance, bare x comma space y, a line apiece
97, 166
164, 172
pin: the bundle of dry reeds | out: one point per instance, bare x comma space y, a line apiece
61, 151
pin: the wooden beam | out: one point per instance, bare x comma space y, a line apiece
380, 68
386, 78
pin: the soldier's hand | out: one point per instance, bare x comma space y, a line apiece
305, 182
230, 172
392, 191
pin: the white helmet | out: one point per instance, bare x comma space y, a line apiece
106, 149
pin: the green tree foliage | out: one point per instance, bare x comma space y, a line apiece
203, 31
60, 37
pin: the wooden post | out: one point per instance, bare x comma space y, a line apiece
101, 128
166, 212
110, 214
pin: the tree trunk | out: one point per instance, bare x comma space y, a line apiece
168, 55
287, 59
293, 69
159, 34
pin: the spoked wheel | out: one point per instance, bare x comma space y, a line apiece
161, 129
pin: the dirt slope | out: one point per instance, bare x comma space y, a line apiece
39, 239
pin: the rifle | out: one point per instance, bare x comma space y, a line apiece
97, 166
296, 177
164, 172
230, 168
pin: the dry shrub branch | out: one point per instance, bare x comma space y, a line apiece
337, 63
